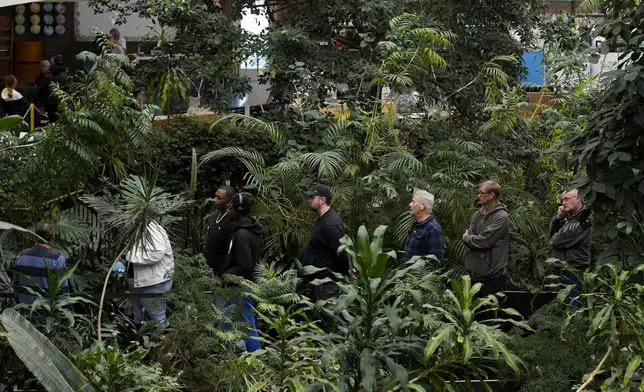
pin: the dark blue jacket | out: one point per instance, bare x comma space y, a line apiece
425, 239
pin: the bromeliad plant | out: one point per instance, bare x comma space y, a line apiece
397, 327
461, 347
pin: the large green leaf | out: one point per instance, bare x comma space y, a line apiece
364, 250
9, 226
6, 123
368, 370
399, 372
52, 369
441, 336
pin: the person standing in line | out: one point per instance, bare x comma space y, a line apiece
43, 84
570, 236
322, 248
33, 265
221, 228
152, 268
487, 241
426, 237
244, 253
59, 75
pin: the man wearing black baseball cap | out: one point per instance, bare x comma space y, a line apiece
322, 248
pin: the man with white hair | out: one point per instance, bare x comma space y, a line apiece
570, 237
426, 238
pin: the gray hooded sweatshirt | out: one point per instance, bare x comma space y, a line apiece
488, 243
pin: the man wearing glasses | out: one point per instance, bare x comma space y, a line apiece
487, 240
570, 235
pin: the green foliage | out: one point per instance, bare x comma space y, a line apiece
138, 203
205, 44
110, 369
410, 52
554, 357
292, 357
611, 304
566, 53
173, 141
52, 369
196, 348
172, 84
607, 153
53, 310
401, 326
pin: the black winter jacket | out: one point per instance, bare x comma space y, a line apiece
245, 247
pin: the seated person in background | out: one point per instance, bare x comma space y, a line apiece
32, 265
115, 37
12, 101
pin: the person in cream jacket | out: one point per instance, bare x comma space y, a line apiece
151, 271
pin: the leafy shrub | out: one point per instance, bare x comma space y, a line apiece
555, 359
111, 369
196, 347
174, 139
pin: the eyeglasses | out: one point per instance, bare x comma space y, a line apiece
564, 199
485, 193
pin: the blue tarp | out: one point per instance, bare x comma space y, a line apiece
533, 61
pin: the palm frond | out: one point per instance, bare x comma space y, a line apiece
253, 123
327, 165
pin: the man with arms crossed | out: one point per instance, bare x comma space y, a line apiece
487, 241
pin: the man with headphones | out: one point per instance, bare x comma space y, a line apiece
243, 255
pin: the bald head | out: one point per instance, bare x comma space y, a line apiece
571, 202
44, 66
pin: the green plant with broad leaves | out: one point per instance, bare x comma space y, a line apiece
410, 52
612, 306
292, 357
463, 347
398, 326
111, 369
52, 368
607, 152
54, 310
98, 368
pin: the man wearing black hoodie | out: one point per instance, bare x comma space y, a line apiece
243, 256
245, 245
487, 240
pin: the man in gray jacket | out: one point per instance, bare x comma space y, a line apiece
570, 235
487, 240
